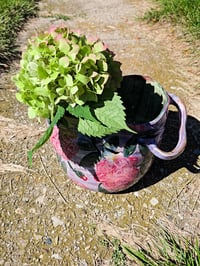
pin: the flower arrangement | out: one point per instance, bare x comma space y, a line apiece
75, 83
65, 73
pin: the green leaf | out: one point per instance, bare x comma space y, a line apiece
93, 128
82, 78
64, 46
64, 61
88, 96
32, 68
60, 112
42, 91
61, 98
19, 97
103, 66
42, 74
98, 47
69, 80
48, 80
31, 113
112, 114
61, 82
74, 90
60, 91
81, 112
73, 52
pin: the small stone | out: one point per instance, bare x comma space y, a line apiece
48, 241
40, 200
154, 201
37, 237
56, 221
22, 243
56, 256
19, 211
32, 210
79, 206
7, 263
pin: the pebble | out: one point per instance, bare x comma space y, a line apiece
48, 241
56, 256
56, 221
41, 200
19, 211
154, 201
37, 237
136, 193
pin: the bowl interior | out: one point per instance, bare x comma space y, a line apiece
143, 101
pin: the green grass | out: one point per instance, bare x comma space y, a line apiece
168, 250
165, 249
182, 12
13, 15
118, 256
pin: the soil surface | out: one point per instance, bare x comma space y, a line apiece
48, 220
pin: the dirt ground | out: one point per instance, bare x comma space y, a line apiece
48, 220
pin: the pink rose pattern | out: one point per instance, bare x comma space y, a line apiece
117, 174
110, 175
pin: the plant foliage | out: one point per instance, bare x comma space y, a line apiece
64, 68
60, 112
61, 67
171, 251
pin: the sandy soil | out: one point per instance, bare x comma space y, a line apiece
48, 220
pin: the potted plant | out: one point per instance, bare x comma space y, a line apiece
75, 83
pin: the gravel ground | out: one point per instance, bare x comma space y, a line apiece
48, 220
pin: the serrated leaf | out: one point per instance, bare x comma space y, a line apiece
112, 114
82, 112
95, 129
59, 114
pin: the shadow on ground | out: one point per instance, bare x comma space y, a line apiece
188, 159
